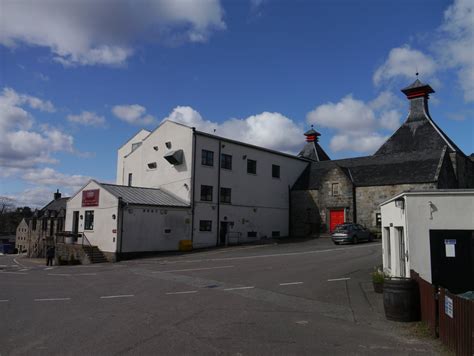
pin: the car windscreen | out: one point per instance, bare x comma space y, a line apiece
342, 228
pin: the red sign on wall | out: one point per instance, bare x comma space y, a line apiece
90, 197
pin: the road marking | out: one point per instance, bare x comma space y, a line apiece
18, 263
237, 288
117, 296
48, 268
60, 274
23, 269
290, 283
339, 279
4, 300
51, 299
14, 272
185, 292
193, 269
86, 274
2, 266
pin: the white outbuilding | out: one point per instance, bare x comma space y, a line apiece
432, 234
121, 219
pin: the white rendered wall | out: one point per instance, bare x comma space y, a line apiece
259, 202
446, 212
125, 150
144, 228
102, 236
175, 180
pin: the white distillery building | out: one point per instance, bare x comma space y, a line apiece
215, 191
432, 234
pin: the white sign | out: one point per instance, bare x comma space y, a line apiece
448, 306
450, 246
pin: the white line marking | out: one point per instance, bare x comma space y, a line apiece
51, 299
290, 283
14, 272
338, 279
18, 263
3, 265
4, 300
117, 296
193, 269
85, 274
48, 268
60, 274
185, 292
23, 269
237, 288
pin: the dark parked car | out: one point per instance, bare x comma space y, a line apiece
350, 232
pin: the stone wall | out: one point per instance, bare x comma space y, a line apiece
305, 217
70, 254
369, 198
328, 201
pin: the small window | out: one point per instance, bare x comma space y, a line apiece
168, 144
335, 189
226, 194
378, 219
275, 171
136, 145
207, 158
251, 166
89, 220
152, 165
252, 234
226, 161
205, 225
206, 192
275, 233
130, 177
167, 231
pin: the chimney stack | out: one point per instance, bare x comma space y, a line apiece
57, 195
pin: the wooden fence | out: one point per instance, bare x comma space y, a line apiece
456, 322
428, 303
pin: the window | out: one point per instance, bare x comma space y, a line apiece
252, 234
89, 220
275, 171
275, 233
226, 194
136, 145
130, 179
152, 165
60, 224
206, 192
205, 225
389, 247
44, 224
226, 161
251, 166
207, 158
335, 189
378, 219
34, 225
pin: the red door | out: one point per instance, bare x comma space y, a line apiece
336, 217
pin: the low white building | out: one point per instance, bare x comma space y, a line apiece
430, 233
120, 219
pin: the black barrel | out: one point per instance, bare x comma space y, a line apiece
401, 299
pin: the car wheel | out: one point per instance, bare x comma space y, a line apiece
336, 243
355, 240
371, 238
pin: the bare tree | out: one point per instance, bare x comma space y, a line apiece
6, 204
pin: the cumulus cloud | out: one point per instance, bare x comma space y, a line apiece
270, 130
133, 114
22, 145
455, 47
35, 197
405, 62
356, 122
87, 118
96, 33
49, 176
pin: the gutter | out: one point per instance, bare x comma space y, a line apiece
218, 193
193, 184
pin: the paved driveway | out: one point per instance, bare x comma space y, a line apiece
279, 299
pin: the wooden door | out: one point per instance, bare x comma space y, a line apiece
336, 217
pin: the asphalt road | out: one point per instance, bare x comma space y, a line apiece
305, 298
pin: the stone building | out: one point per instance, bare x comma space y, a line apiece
418, 156
34, 235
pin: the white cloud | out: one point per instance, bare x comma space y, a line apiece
96, 33
270, 130
133, 114
49, 176
455, 47
22, 144
405, 62
356, 122
35, 197
87, 118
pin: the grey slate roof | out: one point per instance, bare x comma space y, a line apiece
56, 205
314, 152
143, 196
399, 168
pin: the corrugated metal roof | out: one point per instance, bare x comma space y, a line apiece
143, 196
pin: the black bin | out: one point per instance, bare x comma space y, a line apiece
401, 299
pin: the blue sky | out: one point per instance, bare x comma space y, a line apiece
77, 79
